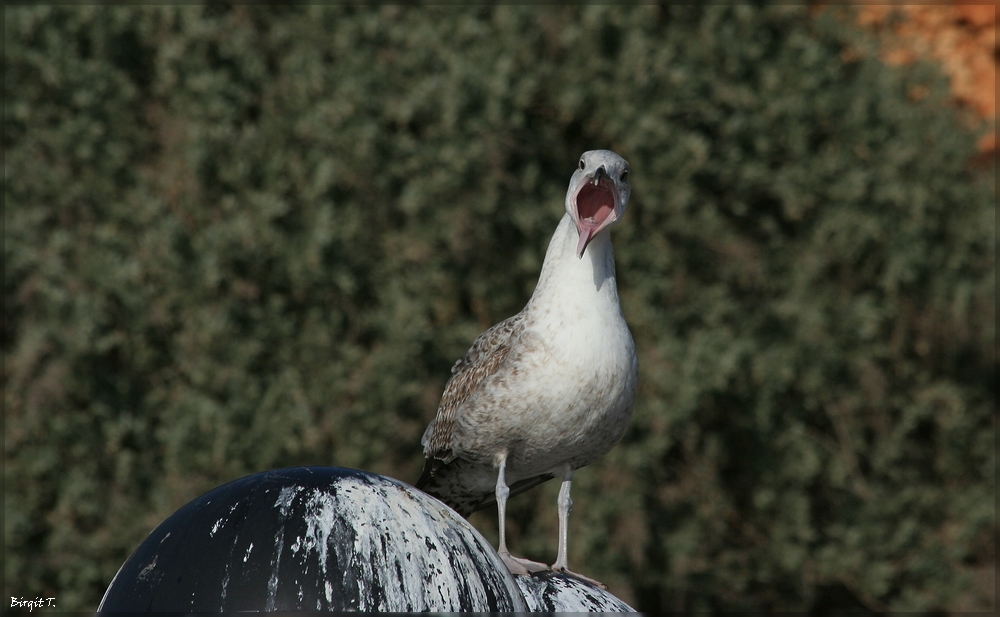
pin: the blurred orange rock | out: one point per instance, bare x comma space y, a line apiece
962, 37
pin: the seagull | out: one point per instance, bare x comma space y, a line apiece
551, 389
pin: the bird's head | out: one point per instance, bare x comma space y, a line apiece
598, 193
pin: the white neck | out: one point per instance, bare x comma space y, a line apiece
577, 283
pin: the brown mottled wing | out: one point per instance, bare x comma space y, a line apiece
483, 359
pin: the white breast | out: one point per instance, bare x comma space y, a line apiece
567, 394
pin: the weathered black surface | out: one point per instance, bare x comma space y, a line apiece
551, 592
314, 538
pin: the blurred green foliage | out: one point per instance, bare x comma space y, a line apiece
238, 238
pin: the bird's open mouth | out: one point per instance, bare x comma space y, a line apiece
595, 203
595, 210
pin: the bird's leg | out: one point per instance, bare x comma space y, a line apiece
515, 565
502, 492
565, 504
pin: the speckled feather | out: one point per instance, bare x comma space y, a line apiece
483, 359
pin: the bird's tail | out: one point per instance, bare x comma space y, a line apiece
430, 482
431, 467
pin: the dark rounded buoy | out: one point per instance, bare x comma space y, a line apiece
314, 538
553, 592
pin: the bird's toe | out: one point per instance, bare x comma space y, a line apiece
519, 566
585, 579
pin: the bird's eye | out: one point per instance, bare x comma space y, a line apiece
624, 175
582, 164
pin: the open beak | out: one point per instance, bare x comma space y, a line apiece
596, 207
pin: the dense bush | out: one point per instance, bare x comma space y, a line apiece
239, 238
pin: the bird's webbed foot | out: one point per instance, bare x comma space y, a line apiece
517, 565
585, 579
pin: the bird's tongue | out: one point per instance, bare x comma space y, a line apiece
594, 205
